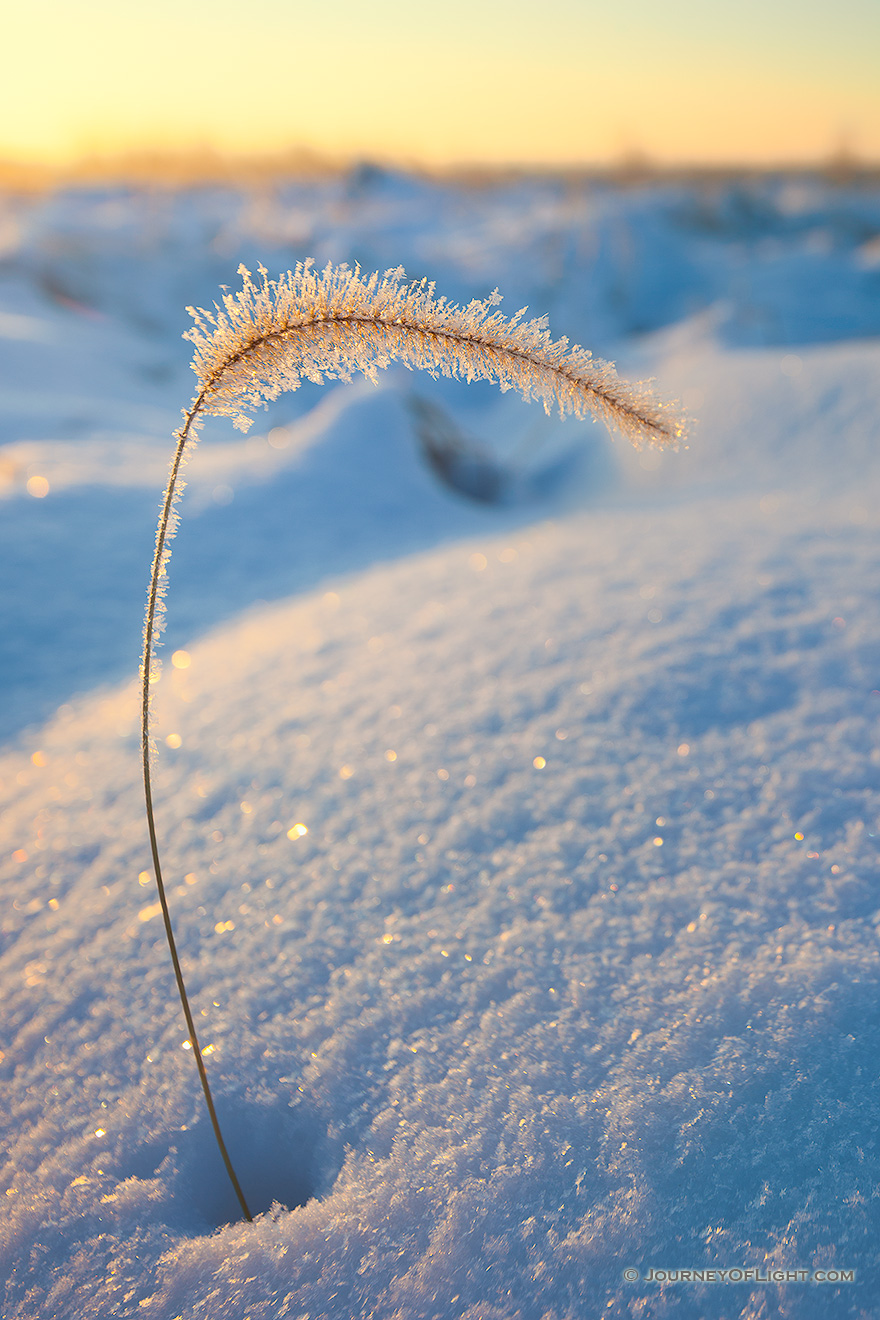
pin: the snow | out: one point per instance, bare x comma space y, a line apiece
576, 965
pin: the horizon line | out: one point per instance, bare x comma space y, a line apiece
205, 163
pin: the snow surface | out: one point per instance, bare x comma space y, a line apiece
576, 966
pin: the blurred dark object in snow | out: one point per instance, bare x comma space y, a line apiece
468, 467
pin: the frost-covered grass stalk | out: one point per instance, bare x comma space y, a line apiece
317, 326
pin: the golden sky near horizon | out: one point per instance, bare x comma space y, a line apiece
463, 80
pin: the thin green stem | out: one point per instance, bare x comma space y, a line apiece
147, 665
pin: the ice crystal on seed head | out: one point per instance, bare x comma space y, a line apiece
309, 325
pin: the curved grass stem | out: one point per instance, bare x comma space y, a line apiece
270, 336
159, 562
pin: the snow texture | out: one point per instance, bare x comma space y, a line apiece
575, 966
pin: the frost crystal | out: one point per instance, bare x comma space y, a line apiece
307, 325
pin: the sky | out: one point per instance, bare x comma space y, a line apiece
563, 81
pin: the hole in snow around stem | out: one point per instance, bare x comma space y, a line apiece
279, 1155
